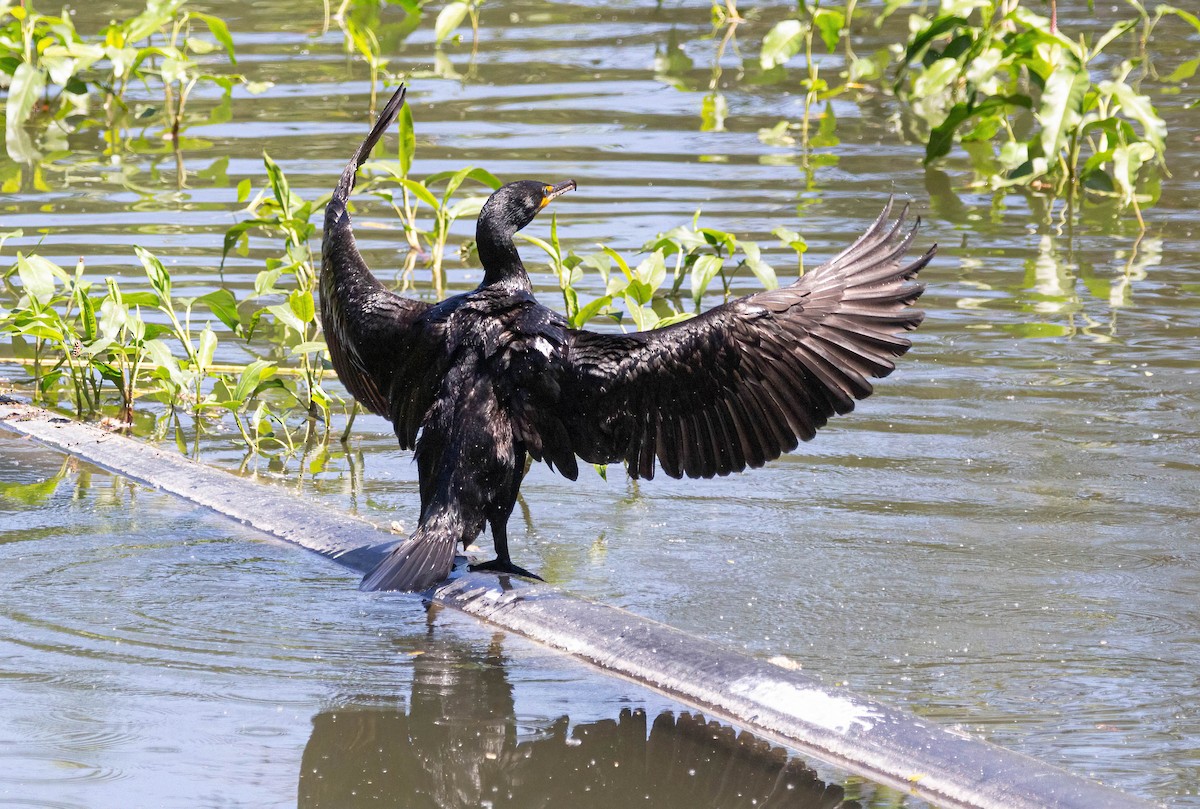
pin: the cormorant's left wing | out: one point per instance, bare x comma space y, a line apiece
740, 384
381, 346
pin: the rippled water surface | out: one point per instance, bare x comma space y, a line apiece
1004, 538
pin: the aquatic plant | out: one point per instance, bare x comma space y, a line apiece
1025, 100
52, 73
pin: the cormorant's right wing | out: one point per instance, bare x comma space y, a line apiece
743, 382
382, 349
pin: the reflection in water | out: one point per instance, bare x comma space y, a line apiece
459, 745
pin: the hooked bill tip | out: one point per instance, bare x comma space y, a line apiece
552, 191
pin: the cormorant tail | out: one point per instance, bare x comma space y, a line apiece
418, 563
346, 184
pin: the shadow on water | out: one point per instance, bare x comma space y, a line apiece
459, 744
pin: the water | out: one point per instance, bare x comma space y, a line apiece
1003, 538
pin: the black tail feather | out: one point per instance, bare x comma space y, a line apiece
421, 561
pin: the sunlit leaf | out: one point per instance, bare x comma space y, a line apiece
219, 30
160, 279
703, 271
37, 277
283, 312
87, 313
408, 140
26, 87
224, 306
302, 306
1061, 107
1187, 16
713, 110
830, 23
448, 19
763, 271
781, 43
590, 310
208, 347
1139, 108
1184, 72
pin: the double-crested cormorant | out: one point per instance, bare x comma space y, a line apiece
479, 380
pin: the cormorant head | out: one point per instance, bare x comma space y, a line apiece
514, 206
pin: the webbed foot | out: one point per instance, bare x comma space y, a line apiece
499, 566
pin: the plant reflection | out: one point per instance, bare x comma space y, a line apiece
460, 744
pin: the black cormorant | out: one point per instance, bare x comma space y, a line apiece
480, 380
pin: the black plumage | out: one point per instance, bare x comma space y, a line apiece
480, 380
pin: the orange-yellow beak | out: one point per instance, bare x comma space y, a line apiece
549, 192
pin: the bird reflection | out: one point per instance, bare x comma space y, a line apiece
459, 745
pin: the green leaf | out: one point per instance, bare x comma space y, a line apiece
1139, 108
309, 347
1062, 106
422, 193
160, 279
161, 356
939, 26
1186, 16
448, 19
199, 46
485, 177
678, 317
302, 306
87, 312
26, 86
829, 23
1127, 163
763, 271
790, 238
224, 306
643, 318
781, 43
1117, 30
138, 299
703, 271
471, 206
220, 32
37, 277
651, 271
408, 139
713, 111
208, 347
149, 21
12, 234
941, 138
1183, 72
590, 310
237, 231
279, 185
251, 377
284, 314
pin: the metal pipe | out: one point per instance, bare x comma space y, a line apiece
861, 735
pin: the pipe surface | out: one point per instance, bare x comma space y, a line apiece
860, 735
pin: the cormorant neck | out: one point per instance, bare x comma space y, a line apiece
499, 256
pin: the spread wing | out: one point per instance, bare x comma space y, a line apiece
382, 348
740, 384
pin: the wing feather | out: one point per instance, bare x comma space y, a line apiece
381, 347
744, 382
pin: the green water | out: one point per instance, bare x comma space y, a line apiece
1004, 538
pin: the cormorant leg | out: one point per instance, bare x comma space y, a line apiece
502, 563
498, 520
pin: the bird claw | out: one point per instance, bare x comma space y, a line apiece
497, 566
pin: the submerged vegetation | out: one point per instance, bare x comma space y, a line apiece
1035, 108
